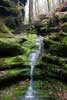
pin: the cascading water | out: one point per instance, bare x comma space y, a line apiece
26, 19
30, 94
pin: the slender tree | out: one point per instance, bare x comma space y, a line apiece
59, 2
30, 11
62, 1
48, 3
37, 8
53, 4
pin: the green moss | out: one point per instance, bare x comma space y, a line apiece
56, 48
14, 91
5, 31
63, 18
16, 50
65, 27
51, 66
49, 88
65, 40
4, 28
10, 74
15, 60
7, 46
54, 59
16, 45
29, 45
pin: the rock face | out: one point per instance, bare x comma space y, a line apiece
11, 14
4, 11
54, 57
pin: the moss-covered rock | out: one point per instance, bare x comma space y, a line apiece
19, 62
65, 27
54, 59
14, 52
9, 48
8, 7
15, 73
5, 31
50, 88
62, 16
10, 16
14, 91
56, 48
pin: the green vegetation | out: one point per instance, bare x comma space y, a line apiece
51, 89
16, 44
14, 91
65, 40
14, 65
51, 68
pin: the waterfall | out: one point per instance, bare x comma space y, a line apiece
26, 19
30, 94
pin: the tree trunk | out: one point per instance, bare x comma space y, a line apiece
30, 11
48, 5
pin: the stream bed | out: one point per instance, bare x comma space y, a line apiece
31, 93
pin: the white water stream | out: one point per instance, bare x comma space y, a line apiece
33, 57
31, 93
